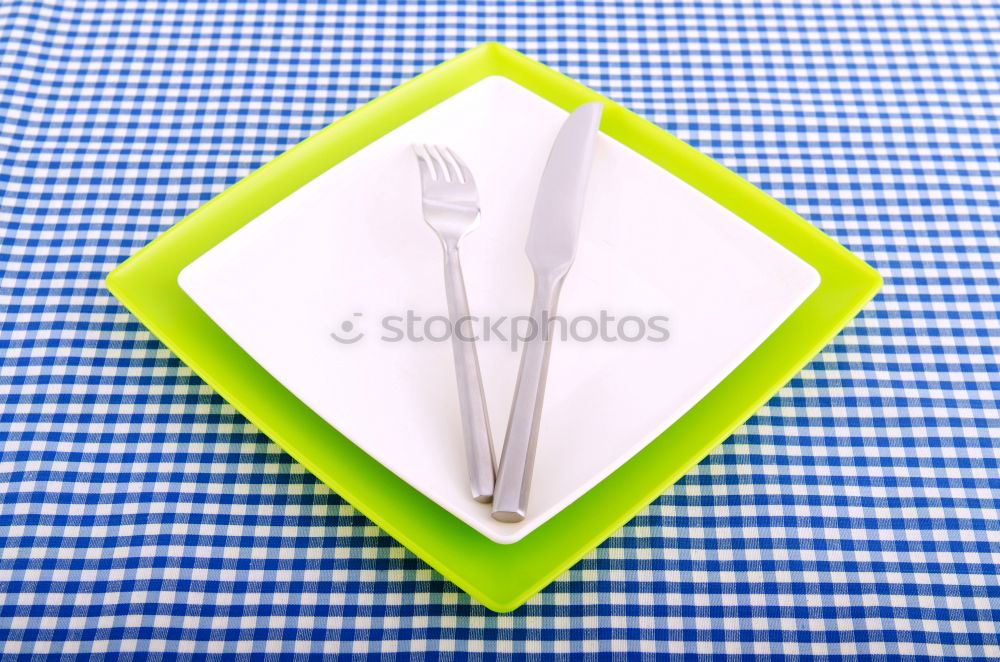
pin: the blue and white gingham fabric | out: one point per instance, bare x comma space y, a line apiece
856, 515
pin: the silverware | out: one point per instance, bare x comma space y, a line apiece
551, 248
451, 208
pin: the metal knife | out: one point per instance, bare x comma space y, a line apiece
551, 248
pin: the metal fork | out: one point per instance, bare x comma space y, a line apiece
451, 208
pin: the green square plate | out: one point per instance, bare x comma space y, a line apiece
502, 577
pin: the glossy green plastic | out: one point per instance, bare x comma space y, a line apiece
502, 577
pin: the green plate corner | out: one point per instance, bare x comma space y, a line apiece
502, 577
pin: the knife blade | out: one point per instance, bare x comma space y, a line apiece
555, 222
551, 249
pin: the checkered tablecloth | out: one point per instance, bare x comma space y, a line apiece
855, 515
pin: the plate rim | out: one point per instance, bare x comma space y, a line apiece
500, 576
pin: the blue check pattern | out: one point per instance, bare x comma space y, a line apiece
855, 516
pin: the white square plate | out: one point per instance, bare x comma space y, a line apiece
351, 247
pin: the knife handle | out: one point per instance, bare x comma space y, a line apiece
510, 494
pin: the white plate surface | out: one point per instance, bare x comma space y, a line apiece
352, 246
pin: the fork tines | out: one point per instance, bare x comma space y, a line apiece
442, 164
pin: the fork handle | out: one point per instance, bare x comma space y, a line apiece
471, 398
510, 499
